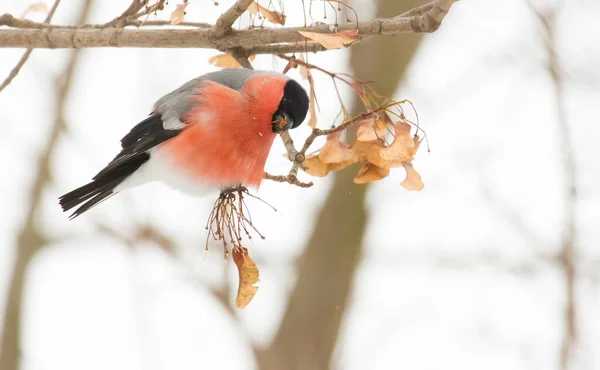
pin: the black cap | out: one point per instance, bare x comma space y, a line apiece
294, 102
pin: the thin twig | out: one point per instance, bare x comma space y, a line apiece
13, 73
567, 252
134, 8
10, 21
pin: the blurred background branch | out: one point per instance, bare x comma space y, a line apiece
568, 238
30, 239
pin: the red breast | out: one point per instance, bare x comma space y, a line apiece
228, 135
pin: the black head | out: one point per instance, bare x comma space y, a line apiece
292, 108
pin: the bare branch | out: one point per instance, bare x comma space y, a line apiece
226, 20
13, 73
30, 239
254, 40
11, 21
567, 254
309, 47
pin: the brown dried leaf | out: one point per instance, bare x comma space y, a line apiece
370, 129
341, 165
369, 151
304, 72
248, 276
370, 173
178, 14
227, 61
403, 148
315, 167
335, 151
413, 179
333, 40
271, 15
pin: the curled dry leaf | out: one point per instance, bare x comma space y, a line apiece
304, 72
369, 151
333, 40
248, 276
271, 15
341, 165
370, 173
178, 14
404, 147
335, 151
370, 129
315, 167
227, 61
413, 179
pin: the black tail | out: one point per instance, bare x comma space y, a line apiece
102, 186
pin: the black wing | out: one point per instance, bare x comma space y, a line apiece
142, 137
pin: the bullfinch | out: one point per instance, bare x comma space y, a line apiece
212, 133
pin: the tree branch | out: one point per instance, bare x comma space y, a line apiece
11, 21
15, 71
258, 40
30, 239
223, 25
567, 254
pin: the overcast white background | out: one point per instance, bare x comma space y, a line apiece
446, 281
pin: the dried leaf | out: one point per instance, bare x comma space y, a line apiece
315, 167
370, 129
248, 276
304, 72
35, 7
341, 165
227, 61
413, 179
178, 14
333, 40
271, 15
335, 151
368, 151
370, 173
403, 148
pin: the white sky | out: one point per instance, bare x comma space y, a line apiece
446, 280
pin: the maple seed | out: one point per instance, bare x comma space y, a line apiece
248, 276
371, 129
413, 179
178, 14
370, 173
335, 151
227, 61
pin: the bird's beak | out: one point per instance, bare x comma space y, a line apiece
282, 122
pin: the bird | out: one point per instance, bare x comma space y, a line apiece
214, 132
